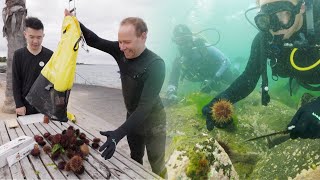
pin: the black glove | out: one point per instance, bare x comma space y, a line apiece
109, 147
306, 121
210, 122
206, 111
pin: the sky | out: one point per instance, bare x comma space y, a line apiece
103, 18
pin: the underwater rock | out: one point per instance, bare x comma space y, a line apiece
288, 159
206, 160
252, 160
177, 164
313, 173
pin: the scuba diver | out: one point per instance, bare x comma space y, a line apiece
197, 62
290, 38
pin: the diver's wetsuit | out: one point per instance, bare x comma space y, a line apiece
26, 68
280, 62
142, 79
199, 64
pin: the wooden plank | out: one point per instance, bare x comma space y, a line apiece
4, 171
27, 167
98, 161
45, 158
88, 168
68, 175
38, 165
15, 170
11, 123
92, 161
135, 166
86, 120
123, 164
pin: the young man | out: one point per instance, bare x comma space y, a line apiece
27, 65
197, 62
290, 37
142, 75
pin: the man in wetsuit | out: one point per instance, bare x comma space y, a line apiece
197, 62
142, 75
290, 37
27, 65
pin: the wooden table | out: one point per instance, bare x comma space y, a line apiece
43, 167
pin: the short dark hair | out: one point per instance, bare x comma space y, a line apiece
139, 25
34, 23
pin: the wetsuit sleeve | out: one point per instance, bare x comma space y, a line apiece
17, 81
93, 40
175, 72
149, 96
247, 81
217, 55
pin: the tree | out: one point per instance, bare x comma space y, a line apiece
14, 15
3, 59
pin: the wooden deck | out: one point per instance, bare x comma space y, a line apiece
118, 167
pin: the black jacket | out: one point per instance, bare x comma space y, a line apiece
26, 68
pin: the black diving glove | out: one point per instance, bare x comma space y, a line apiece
306, 121
206, 111
109, 147
210, 121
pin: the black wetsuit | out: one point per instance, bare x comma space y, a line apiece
26, 68
142, 79
280, 61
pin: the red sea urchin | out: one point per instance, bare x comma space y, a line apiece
35, 151
76, 163
222, 112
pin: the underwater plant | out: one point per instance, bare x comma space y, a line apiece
198, 167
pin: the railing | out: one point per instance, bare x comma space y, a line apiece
83, 78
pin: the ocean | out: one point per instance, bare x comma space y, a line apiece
98, 74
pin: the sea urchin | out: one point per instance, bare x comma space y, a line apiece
222, 112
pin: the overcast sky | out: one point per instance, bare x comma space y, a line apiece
101, 16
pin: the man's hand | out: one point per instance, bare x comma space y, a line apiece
21, 111
67, 13
172, 93
109, 147
208, 113
306, 121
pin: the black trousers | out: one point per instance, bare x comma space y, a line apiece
153, 139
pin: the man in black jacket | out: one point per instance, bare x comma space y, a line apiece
27, 65
290, 37
142, 75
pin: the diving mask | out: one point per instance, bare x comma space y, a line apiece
277, 15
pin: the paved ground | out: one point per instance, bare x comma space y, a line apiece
104, 102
